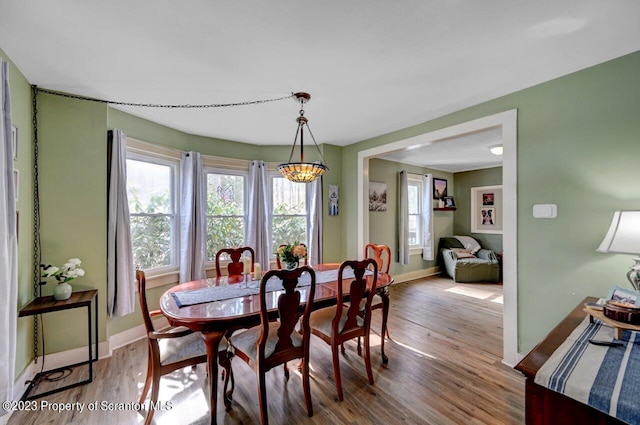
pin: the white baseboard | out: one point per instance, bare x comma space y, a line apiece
77, 355
417, 274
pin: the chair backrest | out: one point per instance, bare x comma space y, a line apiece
288, 303
357, 294
142, 294
235, 267
279, 264
379, 253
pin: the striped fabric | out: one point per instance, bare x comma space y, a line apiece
606, 378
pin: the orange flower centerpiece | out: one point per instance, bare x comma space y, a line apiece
291, 254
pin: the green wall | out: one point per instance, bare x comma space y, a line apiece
383, 225
578, 144
21, 114
462, 196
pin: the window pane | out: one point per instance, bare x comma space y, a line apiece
224, 232
225, 194
288, 197
413, 199
148, 187
288, 229
151, 241
414, 229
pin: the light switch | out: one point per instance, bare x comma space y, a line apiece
545, 211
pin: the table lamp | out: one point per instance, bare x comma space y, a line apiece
624, 237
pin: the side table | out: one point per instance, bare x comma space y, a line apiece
48, 304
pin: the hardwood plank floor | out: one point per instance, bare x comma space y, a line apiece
445, 368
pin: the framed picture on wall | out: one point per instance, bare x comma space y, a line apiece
439, 188
14, 141
486, 209
377, 196
333, 199
448, 202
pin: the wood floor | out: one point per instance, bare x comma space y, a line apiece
445, 368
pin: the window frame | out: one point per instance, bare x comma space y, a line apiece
245, 202
175, 166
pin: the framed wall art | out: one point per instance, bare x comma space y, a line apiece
333, 199
377, 196
486, 209
14, 141
439, 188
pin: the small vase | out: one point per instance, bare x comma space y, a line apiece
62, 291
290, 265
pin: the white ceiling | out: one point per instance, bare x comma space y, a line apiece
464, 153
371, 67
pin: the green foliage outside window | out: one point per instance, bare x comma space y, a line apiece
150, 232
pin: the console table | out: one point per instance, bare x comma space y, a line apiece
547, 407
48, 304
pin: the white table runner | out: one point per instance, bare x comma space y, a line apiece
235, 290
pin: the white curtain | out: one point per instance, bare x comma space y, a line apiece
403, 218
427, 217
8, 245
314, 221
257, 234
193, 218
120, 270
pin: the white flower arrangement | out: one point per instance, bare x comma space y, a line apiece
66, 273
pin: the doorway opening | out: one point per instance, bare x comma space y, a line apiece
507, 122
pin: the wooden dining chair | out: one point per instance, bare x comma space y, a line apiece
235, 267
342, 322
273, 343
173, 348
381, 254
279, 264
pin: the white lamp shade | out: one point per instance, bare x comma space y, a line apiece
624, 234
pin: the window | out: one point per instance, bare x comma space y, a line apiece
289, 209
414, 192
225, 211
152, 192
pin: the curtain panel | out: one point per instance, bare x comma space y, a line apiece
193, 218
427, 217
120, 269
314, 221
8, 245
257, 234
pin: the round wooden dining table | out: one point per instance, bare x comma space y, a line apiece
216, 319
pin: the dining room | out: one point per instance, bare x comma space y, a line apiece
440, 371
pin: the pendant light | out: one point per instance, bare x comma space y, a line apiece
302, 172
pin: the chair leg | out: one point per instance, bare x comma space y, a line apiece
342, 347
155, 389
286, 371
225, 361
367, 358
262, 396
359, 347
306, 386
336, 371
147, 382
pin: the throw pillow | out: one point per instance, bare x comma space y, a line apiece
463, 253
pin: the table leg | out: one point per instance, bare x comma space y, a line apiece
212, 342
385, 313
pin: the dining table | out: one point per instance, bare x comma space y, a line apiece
216, 307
